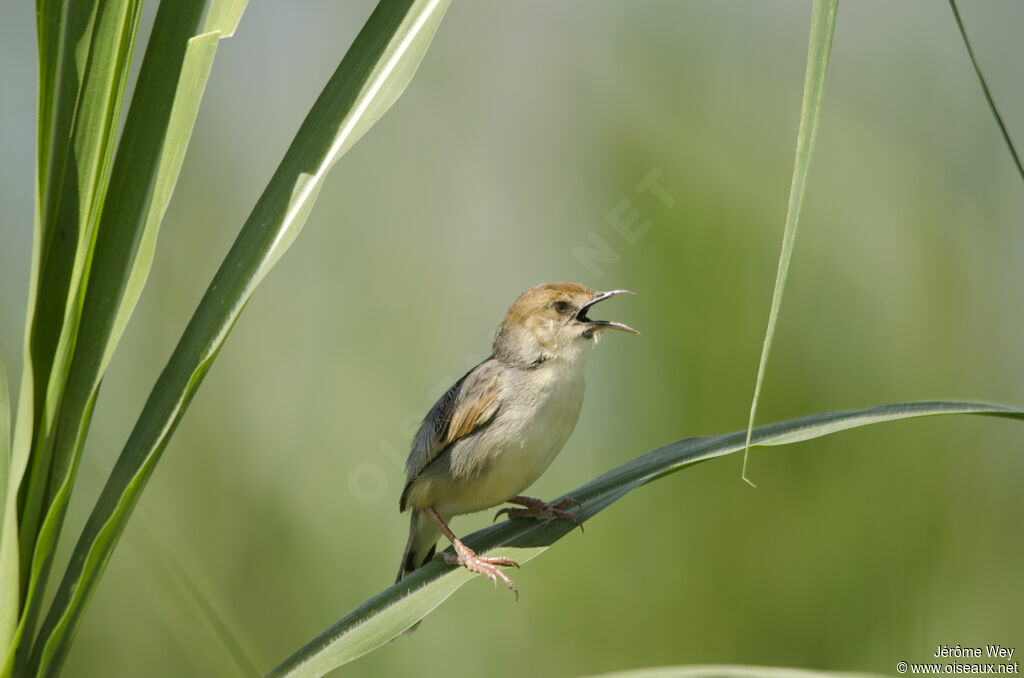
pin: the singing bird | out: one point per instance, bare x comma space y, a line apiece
493, 433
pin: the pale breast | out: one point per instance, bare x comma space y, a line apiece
525, 436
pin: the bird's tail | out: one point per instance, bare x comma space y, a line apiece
420, 547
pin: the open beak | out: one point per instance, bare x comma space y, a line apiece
581, 316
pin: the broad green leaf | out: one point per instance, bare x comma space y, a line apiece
88, 45
819, 49
730, 671
9, 586
369, 79
84, 50
148, 159
391, 612
156, 133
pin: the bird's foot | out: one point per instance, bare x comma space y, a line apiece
488, 567
541, 510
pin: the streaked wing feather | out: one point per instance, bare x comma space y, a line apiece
476, 404
469, 404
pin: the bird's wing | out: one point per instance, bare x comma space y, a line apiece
464, 408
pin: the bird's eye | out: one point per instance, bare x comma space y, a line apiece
561, 306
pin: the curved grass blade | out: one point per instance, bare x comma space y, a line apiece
819, 49
730, 671
369, 79
984, 88
9, 593
88, 45
391, 612
84, 51
156, 133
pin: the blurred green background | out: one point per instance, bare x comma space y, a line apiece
528, 124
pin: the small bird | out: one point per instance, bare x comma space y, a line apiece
493, 433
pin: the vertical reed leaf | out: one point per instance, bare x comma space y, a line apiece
88, 46
149, 156
84, 51
369, 79
9, 594
819, 49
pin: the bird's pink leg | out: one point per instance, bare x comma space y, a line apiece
468, 558
541, 510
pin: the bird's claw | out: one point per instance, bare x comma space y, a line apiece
542, 510
488, 567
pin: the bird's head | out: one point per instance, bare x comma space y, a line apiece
550, 321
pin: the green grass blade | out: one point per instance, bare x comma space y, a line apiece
819, 49
394, 610
94, 42
49, 22
149, 156
85, 48
157, 132
91, 44
730, 671
985, 90
9, 583
369, 79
